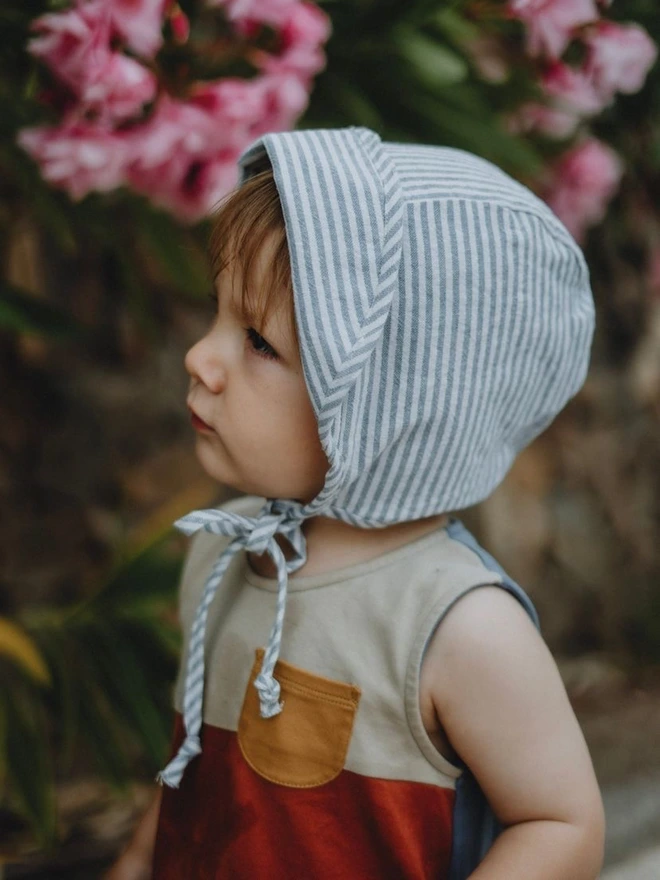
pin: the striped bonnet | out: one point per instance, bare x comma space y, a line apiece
445, 317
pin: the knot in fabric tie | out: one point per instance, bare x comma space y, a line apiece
268, 689
256, 535
259, 539
171, 775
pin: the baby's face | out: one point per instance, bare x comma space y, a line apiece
261, 434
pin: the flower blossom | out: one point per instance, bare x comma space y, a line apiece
619, 58
77, 157
140, 23
583, 182
302, 28
179, 23
183, 158
270, 12
550, 23
571, 89
571, 98
303, 31
183, 155
75, 44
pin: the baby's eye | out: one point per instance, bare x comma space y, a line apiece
259, 344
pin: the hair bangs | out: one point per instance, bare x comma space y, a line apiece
249, 223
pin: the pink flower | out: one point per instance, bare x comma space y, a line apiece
77, 157
303, 33
246, 109
271, 12
192, 195
236, 106
543, 118
550, 23
620, 57
571, 89
179, 24
140, 23
177, 128
76, 46
75, 43
69, 40
121, 89
286, 97
303, 29
571, 96
183, 158
583, 182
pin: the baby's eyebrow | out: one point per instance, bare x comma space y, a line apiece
238, 310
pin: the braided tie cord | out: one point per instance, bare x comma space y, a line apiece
256, 535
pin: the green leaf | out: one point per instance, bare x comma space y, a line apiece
453, 26
24, 313
119, 676
148, 578
63, 661
101, 730
430, 117
433, 63
29, 768
487, 140
4, 724
355, 106
19, 647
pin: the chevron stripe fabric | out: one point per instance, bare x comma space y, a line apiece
445, 316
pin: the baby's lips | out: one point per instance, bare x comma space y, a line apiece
197, 421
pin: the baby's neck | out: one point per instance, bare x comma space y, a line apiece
332, 544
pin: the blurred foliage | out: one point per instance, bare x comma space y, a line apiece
407, 70
99, 669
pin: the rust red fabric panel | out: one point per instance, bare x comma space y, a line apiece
226, 821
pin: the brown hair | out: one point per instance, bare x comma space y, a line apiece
241, 225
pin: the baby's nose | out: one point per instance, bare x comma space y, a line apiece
204, 364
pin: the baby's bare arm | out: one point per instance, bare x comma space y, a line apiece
499, 697
135, 862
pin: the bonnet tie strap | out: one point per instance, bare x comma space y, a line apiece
258, 536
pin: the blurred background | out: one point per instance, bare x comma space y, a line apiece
121, 123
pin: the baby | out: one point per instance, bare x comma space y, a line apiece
364, 692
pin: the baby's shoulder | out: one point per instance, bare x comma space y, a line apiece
484, 619
486, 648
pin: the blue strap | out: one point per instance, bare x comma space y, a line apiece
475, 825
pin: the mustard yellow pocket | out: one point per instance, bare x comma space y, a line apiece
306, 744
